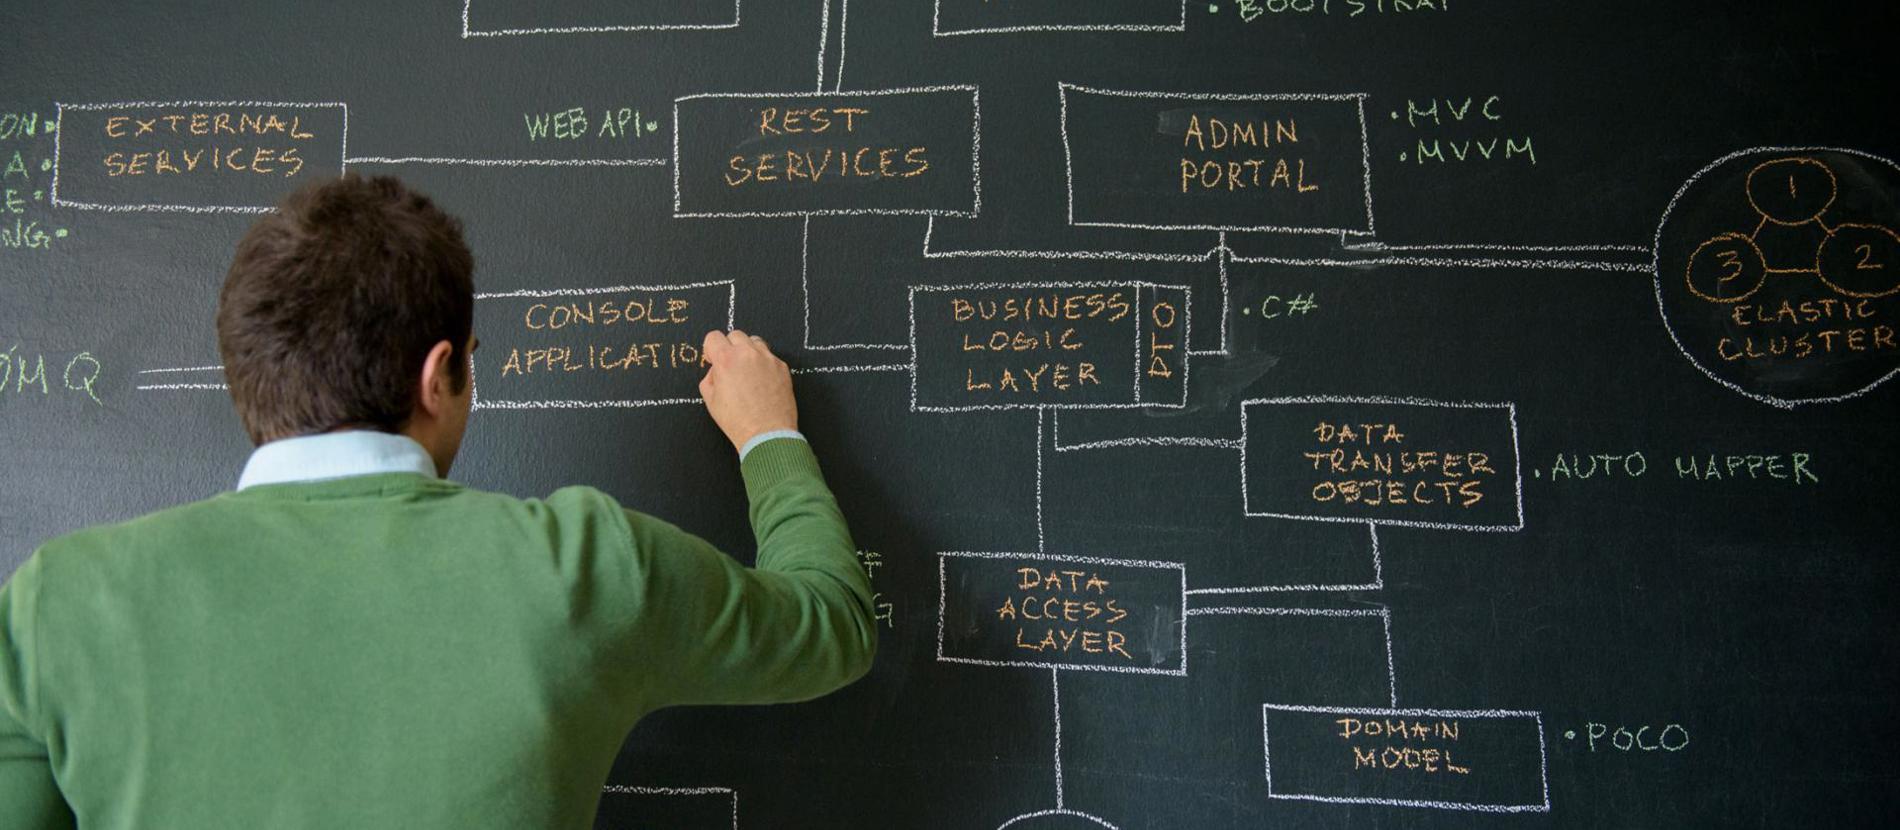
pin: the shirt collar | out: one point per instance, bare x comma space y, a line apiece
334, 455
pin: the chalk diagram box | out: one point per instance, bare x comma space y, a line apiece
1284, 163
1388, 461
587, 348
1049, 345
1447, 759
685, 808
1080, 613
978, 17
892, 152
194, 156
496, 18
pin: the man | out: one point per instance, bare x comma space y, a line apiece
350, 641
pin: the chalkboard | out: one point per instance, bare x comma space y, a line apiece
1315, 413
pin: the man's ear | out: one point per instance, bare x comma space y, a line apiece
437, 384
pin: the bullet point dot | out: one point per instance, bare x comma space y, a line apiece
1537, 474
1570, 734
1246, 311
1401, 157
61, 233
1395, 115
46, 164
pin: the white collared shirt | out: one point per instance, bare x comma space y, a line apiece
368, 452
335, 455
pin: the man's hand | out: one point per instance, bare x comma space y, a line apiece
747, 389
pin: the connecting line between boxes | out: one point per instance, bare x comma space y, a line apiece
461, 162
727, 794
1384, 614
804, 289
1644, 268
1138, 441
824, 36
1377, 583
158, 384
469, 31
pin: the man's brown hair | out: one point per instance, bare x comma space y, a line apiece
332, 303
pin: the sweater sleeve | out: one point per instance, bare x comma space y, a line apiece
28, 794
797, 626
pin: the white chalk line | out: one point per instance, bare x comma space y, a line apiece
1541, 249
937, 30
1213, 443
1032, 664
1391, 669
1129, 256
804, 290
730, 285
844, 27
1377, 583
622, 788
1041, 540
820, 370
150, 387
1283, 612
471, 162
1406, 802
623, 404
182, 369
1448, 262
1055, 694
1365, 169
468, 32
824, 34
1223, 255
1099, 821
163, 104
157, 208
1384, 615
728, 792
1416, 713
1137, 441
1289, 589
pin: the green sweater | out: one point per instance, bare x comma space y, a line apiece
394, 650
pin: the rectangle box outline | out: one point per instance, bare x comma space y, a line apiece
1517, 462
976, 156
1365, 156
568, 30
1543, 756
937, 30
1187, 332
732, 794
59, 109
942, 610
476, 402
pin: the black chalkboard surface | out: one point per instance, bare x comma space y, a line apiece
1318, 413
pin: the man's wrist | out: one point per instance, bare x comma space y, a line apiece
756, 440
